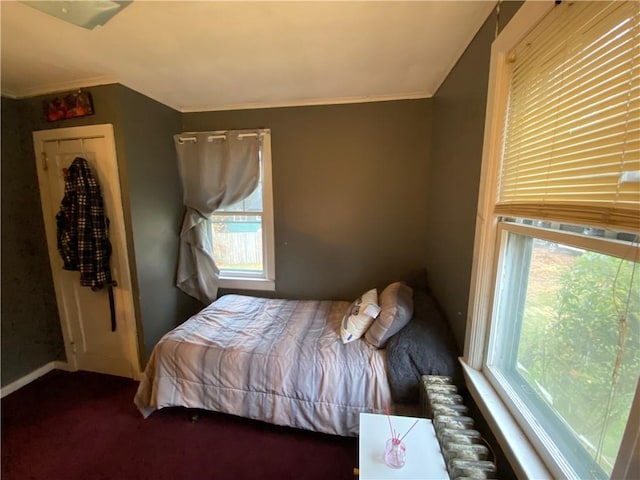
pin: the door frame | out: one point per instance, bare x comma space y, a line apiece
123, 294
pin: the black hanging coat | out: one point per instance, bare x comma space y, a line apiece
83, 230
82, 227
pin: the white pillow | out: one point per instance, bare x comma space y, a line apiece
359, 316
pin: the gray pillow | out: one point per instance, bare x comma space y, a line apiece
426, 346
396, 303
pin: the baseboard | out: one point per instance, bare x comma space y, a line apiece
27, 379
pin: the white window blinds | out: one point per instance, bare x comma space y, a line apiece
572, 135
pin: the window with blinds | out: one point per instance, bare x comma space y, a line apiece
554, 327
572, 138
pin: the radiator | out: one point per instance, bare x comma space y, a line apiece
467, 455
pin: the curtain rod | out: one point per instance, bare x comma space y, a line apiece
220, 136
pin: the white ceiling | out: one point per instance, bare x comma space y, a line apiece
209, 55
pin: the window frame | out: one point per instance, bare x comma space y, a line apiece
267, 280
523, 454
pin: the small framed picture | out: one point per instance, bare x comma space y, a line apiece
72, 105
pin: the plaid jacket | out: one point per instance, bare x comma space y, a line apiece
83, 228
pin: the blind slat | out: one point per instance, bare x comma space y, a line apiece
586, 149
599, 129
550, 44
572, 130
568, 70
568, 66
591, 94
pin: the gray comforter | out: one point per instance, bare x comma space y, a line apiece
426, 346
279, 361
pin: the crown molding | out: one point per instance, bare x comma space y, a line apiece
308, 102
54, 88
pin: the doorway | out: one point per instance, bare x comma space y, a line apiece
85, 315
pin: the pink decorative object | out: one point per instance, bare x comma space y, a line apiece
395, 453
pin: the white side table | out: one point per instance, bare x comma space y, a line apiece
424, 459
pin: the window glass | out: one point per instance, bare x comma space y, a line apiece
566, 343
237, 242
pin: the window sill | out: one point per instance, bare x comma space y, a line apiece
524, 459
247, 283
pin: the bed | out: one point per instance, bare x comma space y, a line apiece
279, 361
310, 364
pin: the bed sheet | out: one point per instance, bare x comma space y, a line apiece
275, 360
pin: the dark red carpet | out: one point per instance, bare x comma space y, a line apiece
84, 426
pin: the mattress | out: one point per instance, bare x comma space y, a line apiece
275, 360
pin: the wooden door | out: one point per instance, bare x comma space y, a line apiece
85, 314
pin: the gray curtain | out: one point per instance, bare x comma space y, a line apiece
217, 169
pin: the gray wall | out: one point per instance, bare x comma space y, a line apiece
154, 194
349, 192
31, 335
454, 172
152, 200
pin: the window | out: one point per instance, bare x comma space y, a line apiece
243, 238
554, 325
565, 344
